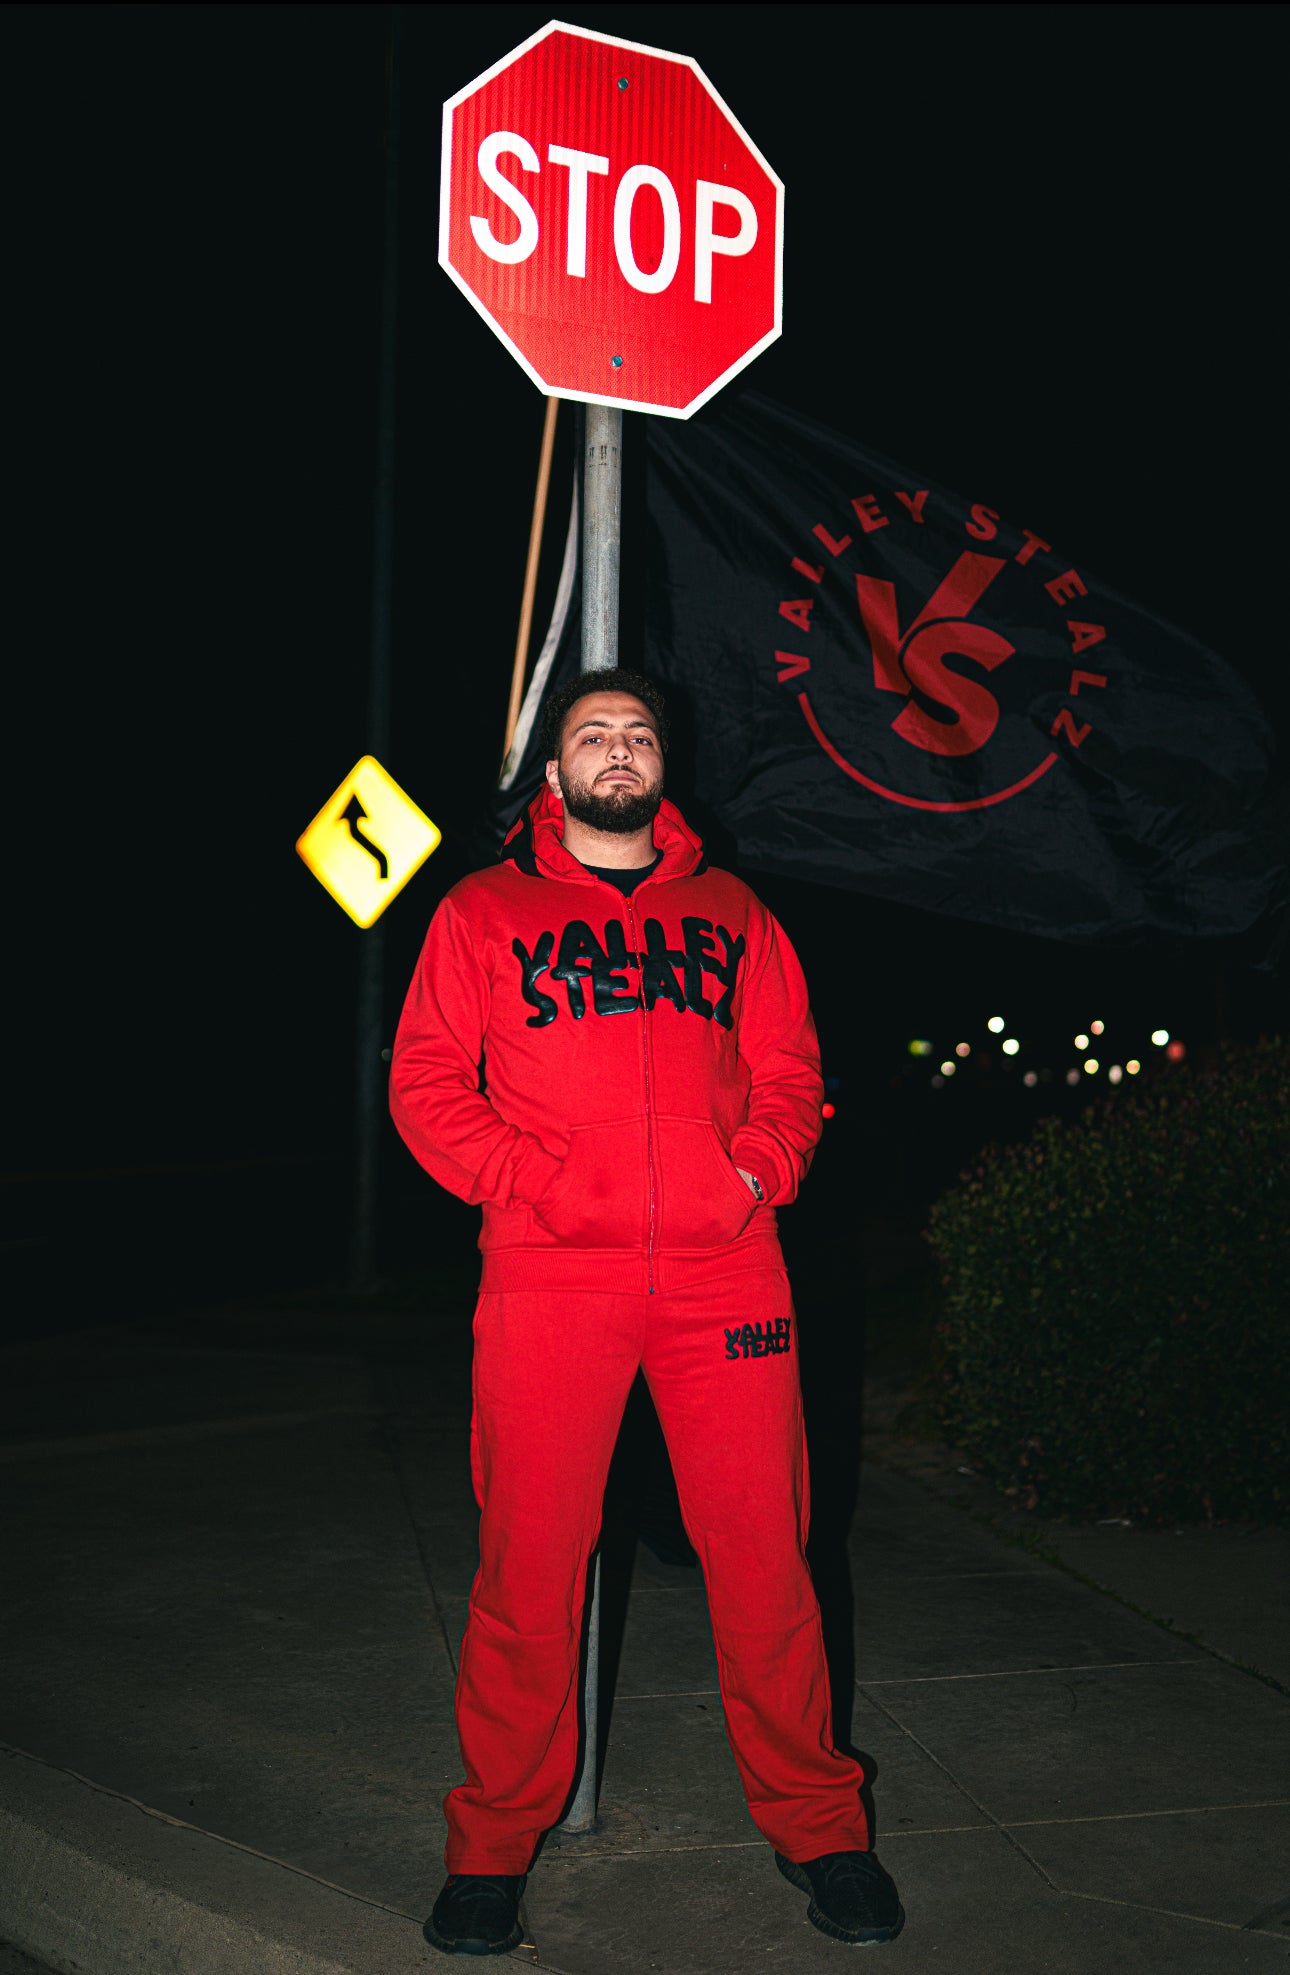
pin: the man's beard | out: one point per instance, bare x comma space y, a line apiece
618, 810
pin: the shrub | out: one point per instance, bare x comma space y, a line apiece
1115, 1337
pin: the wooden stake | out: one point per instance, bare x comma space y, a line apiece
530, 573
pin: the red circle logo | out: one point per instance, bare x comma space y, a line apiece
943, 682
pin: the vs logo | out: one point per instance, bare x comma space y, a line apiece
918, 659
942, 664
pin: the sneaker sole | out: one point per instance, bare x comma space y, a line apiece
472, 1944
856, 1937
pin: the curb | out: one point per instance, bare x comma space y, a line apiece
96, 1884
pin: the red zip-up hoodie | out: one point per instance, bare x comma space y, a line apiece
592, 1067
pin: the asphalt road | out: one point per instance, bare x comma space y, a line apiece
13, 1962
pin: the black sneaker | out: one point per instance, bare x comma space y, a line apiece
852, 1899
477, 1913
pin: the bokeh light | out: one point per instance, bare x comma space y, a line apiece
1176, 1050
948, 1067
1030, 1080
962, 1049
1072, 1076
1096, 1028
919, 1047
1160, 1037
1081, 1042
1011, 1046
1091, 1066
996, 1025
1133, 1066
1114, 1074
828, 1111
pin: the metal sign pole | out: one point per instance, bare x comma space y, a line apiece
602, 489
602, 484
369, 1078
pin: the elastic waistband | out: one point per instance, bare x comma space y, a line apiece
626, 1269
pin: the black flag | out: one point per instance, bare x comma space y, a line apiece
907, 694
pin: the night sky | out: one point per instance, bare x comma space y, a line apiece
1030, 251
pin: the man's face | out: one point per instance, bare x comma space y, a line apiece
610, 770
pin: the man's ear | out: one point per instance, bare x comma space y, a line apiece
553, 779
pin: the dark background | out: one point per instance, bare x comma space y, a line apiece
1031, 251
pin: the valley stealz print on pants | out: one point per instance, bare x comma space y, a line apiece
552, 1373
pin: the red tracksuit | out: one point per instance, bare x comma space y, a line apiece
591, 1068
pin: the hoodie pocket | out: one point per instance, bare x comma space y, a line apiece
704, 1203
600, 1196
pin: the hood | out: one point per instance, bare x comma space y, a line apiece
534, 843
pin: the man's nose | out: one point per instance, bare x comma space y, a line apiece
620, 749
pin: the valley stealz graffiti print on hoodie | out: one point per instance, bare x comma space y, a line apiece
592, 1068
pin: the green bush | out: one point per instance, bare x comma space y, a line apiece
1115, 1339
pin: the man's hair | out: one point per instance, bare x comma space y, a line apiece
558, 707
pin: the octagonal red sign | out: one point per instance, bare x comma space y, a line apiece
611, 221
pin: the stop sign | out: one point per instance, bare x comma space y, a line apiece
611, 221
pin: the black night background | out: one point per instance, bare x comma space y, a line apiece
1027, 252
1031, 252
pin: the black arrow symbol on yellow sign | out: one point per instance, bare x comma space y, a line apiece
354, 813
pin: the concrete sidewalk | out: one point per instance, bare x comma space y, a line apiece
237, 1576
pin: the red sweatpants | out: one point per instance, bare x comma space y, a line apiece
552, 1373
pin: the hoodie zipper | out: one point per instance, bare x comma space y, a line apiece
649, 1122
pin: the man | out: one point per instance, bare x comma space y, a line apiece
608, 1045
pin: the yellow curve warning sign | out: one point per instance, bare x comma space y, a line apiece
367, 840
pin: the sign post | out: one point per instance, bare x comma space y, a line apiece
369, 1070
615, 226
602, 495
